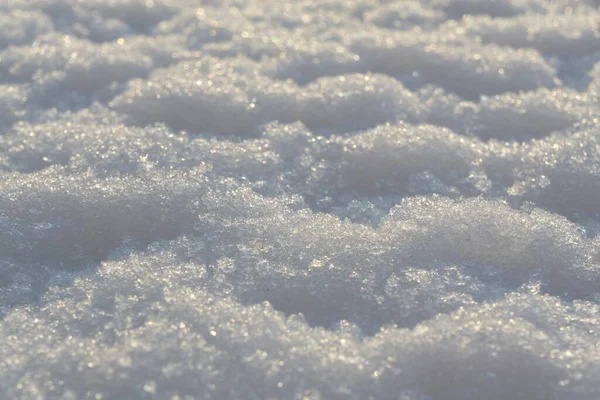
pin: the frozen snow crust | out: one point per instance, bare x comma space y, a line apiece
332, 199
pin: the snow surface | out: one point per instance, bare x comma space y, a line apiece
312, 199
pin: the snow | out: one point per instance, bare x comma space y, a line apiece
245, 199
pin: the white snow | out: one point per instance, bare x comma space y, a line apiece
313, 199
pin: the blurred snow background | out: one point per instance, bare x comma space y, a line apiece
313, 199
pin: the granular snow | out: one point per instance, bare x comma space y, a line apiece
330, 199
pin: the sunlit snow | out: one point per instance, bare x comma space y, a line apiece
308, 199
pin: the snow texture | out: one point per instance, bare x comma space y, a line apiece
312, 199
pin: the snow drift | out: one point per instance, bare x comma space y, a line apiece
299, 200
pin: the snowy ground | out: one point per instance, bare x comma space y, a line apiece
312, 199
